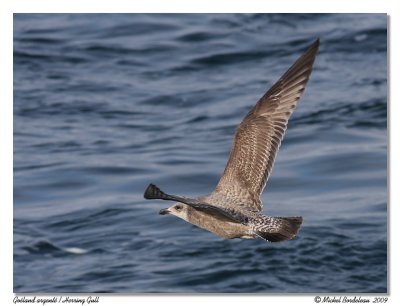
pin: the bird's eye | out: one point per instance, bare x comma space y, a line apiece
178, 207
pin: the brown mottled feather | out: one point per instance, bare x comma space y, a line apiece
258, 137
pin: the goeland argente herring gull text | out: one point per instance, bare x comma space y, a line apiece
234, 208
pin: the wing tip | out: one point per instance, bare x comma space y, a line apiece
153, 192
314, 47
309, 55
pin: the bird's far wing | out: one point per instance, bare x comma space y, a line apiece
258, 137
153, 192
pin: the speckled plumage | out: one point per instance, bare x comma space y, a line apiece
233, 209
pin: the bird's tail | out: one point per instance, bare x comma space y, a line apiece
275, 229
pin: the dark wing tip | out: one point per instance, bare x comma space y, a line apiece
153, 192
297, 75
310, 54
313, 48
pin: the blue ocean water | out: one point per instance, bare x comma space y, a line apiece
104, 104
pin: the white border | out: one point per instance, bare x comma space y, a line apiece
202, 6
8, 7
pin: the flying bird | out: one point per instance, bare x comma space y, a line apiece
234, 208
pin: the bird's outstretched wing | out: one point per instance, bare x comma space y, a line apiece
153, 192
259, 136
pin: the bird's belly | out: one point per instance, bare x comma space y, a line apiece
219, 225
227, 230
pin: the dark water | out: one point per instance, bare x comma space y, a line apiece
105, 104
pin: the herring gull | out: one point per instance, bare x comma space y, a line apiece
234, 208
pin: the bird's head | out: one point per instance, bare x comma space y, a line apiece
178, 209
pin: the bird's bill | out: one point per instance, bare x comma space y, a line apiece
164, 211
